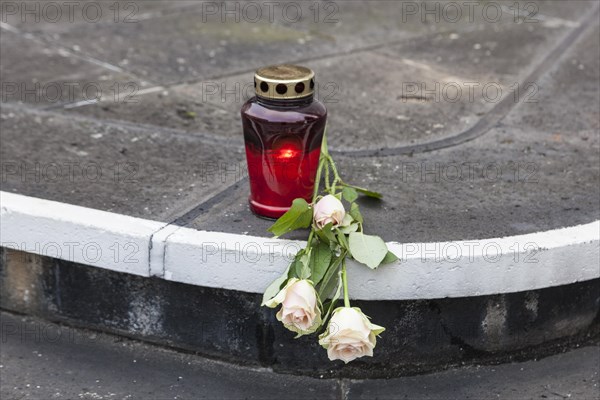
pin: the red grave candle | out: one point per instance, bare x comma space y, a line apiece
283, 128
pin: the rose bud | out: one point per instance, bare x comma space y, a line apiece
328, 209
350, 335
299, 311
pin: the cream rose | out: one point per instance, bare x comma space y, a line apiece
328, 209
350, 335
299, 311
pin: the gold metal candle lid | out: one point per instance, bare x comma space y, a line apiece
284, 81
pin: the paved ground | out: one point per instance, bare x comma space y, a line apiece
40, 360
164, 141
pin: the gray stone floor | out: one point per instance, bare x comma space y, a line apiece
41, 360
164, 140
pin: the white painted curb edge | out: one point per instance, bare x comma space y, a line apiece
79, 234
246, 263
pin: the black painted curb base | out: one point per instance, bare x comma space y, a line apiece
421, 335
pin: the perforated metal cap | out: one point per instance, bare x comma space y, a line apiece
284, 81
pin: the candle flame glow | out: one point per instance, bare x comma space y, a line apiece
288, 153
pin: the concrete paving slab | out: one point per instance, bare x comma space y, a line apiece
47, 76
369, 109
402, 96
428, 88
170, 109
124, 169
326, 20
201, 42
47, 19
529, 173
173, 48
552, 11
472, 192
575, 113
500, 54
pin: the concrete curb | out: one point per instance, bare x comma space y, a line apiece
246, 263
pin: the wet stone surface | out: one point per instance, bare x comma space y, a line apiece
389, 97
529, 173
50, 20
471, 192
167, 108
186, 40
58, 76
534, 169
124, 169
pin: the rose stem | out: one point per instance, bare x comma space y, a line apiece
317, 181
345, 283
327, 186
322, 160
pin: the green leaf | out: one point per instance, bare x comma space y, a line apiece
389, 258
355, 213
349, 194
326, 234
348, 229
301, 266
368, 192
275, 286
347, 220
324, 148
295, 267
342, 240
367, 249
298, 216
320, 257
335, 297
327, 284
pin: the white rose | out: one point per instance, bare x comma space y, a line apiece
350, 335
299, 311
328, 209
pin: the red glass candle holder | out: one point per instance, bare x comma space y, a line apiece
283, 128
